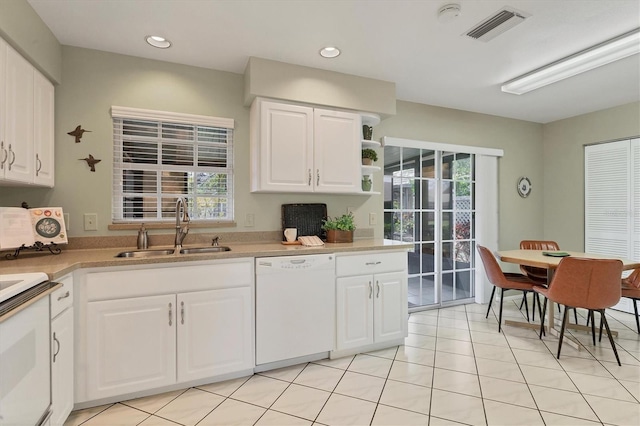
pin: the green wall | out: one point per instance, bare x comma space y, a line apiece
563, 143
95, 80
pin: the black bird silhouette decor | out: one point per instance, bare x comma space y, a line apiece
78, 132
91, 162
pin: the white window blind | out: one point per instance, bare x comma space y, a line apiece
159, 156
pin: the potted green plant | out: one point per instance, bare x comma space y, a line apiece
340, 228
369, 156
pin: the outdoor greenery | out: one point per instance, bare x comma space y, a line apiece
346, 222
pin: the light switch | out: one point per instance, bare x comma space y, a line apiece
372, 219
250, 220
90, 221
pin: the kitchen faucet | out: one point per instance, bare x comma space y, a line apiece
181, 232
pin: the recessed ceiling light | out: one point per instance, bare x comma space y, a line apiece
329, 52
157, 41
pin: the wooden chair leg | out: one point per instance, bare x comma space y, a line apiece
526, 304
635, 310
564, 325
544, 311
500, 317
613, 345
493, 292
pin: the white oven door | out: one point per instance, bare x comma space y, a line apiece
25, 378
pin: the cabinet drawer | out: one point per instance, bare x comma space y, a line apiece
370, 263
62, 298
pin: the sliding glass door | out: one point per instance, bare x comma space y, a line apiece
429, 200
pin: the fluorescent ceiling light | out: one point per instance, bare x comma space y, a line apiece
329, 52
604, 53
157, 41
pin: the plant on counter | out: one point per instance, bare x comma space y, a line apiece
340, 228
346, 222
369, 156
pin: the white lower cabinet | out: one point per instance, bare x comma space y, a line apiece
62, 351
142, 329
62, 367
371, 308
214, 333
131, 345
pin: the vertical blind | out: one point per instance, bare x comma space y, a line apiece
159, 156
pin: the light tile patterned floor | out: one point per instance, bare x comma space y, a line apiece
455, 368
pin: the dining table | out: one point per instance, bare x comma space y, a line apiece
550, 260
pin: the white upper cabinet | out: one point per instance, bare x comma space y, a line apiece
296, 148
43, 125
26, 122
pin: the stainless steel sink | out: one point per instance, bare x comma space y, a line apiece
200, 250
169, 252
145, 253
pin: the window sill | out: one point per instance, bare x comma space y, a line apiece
170, 225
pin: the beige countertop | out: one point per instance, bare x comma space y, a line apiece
59, 265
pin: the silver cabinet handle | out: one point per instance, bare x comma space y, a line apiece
370, 290
38, 164
55, 339
182, 312
170, 315
309, 178
4, 155
373, 263
317, 177
13, 157
64, 296
378, 288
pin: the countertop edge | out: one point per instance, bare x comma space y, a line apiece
57, 266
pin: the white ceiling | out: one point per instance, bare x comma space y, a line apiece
395, 40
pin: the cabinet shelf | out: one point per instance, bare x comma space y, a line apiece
367, 170
370, 144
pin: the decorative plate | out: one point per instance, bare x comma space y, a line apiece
524, 187
48, 227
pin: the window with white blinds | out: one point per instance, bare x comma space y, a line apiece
612, 198
160, 156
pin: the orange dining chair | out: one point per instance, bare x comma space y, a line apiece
592, 284
539, 275
631, 289
506, 281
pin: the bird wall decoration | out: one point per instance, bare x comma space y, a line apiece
78, 132
91, 162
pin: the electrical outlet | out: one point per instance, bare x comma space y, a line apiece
250, 220
91, 221
372, 219
66, 222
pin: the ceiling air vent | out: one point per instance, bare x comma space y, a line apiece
495, 25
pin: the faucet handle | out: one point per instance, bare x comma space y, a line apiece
214, 241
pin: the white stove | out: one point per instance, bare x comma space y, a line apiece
13, 284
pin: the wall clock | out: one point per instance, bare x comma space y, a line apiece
524, 187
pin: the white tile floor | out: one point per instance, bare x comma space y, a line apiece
455, 368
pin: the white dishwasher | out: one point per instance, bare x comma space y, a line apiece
295, 306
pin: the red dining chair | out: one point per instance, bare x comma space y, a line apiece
539, 275
592, 284
506, 281
631, 289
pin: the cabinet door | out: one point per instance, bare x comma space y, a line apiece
18, 134
43, 137
62, 367
214, 333
390, 306
131, 345
337, 152
354, 306
285, 147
